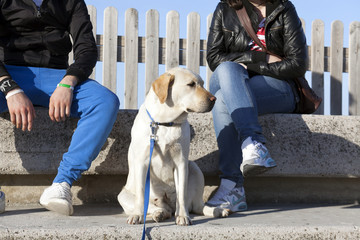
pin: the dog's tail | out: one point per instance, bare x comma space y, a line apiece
215, 211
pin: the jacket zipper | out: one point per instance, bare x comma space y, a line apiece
36, 8
271, 18
232, 35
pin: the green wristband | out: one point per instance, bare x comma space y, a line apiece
65, 85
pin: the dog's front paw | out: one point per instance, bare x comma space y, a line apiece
135, 219
161, 215
183, 220
221, 212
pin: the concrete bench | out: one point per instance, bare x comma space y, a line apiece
318, 158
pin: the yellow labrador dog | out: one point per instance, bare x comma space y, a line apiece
176, 184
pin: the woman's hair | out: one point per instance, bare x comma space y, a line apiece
237, 4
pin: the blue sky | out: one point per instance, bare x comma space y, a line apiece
346, 11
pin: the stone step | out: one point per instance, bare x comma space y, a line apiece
106, 221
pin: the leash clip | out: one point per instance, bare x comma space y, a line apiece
153, 126
153, 137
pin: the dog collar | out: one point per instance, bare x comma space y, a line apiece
153, 122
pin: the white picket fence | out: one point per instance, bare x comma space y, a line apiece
172, 51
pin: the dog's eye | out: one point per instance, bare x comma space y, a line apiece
192, 84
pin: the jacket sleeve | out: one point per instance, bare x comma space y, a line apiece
3, 30
3, 71
216, 50
84, 45
294, 63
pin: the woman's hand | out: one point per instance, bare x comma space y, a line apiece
271, 58
243, 65
21, 111
61, 100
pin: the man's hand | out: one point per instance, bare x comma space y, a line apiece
21, 111
61, 100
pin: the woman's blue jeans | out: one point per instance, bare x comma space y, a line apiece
240, 100
94, 105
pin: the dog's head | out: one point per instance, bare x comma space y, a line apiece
181, 88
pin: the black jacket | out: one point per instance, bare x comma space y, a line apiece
41, 37
228, 40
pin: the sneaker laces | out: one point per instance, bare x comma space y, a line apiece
220, 193
64, 190
235, 196
256, 150
260, 149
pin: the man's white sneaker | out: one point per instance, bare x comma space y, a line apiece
58, 198
235, 200
2, 202
256, 158
224, 188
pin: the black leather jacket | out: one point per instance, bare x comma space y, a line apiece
228, 40
41, 37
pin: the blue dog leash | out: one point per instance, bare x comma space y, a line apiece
153, 126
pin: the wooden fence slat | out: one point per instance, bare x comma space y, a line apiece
303, 24
354, 69
151, 48
92, 13
317, 60
110, 48
336, 67
131, 58
208, 70
193, 42
172, 40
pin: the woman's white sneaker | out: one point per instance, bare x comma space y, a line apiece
256, 158
235, 200
229, 197
58, 198
225, 187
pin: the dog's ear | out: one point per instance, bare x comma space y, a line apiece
161, 86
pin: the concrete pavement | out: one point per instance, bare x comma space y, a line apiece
107, 221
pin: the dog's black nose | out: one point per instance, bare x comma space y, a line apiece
213, 99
